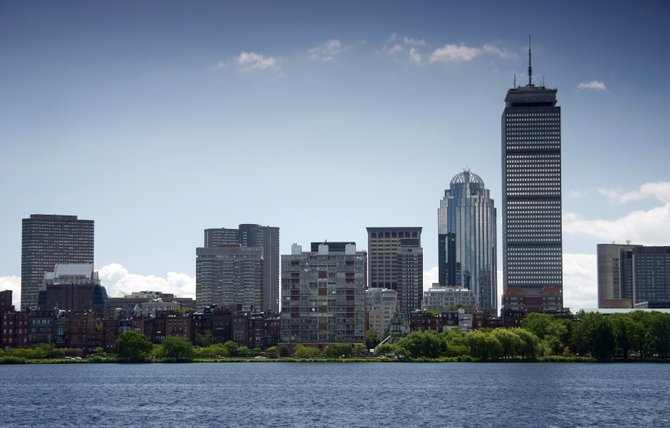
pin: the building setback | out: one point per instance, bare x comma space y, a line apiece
395, 261
47, 240
633, 275
467, 240
229, 276
531, 204
323, 294
254, 235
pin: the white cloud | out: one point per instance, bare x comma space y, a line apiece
327, 51
397, 48
576, 194
252, 61
410, 41
580, 281
221, 64
659, 191
651, 227
414, 55
12, 283
593, 85
430, 277
118, 282
451, 53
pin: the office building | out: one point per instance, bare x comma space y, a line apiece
381, 304
395, 258
467, 240
323, 294
229, 276
441, 298
531, 204
633, 276
48, 240
254, 235
72, 287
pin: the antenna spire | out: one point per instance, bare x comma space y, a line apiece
530, 64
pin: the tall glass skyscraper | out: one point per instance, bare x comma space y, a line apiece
531, 191
467, 239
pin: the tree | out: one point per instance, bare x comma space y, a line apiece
132, 347
512, 344
424, 344
177, 349
595, 336
339, 350
484, 346
371, 338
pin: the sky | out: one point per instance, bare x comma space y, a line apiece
159, 119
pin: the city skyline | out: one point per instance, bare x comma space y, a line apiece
157, 120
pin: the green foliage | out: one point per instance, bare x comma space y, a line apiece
424, 344
231, 348
339, 350
283, 350
484, 346
204, 340
360, 349
371, 338
246, 352
386, 350
272, 352
302, 351
177, 349
133, 347
595, 336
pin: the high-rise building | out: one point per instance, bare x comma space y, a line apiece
254, 235
395, 260
531, 190
48, 240
323, 294
381, 304
467, 239
633, 275
229, 276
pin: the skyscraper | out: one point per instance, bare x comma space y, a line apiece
531, 190
254, 235
48, 240
229, 276
396, 262
467, 239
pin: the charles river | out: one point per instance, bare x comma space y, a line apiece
336, 394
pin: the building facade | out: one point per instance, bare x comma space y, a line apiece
229, 276
47, 240
254, 235
467, 239
323, 294
633, 275
72, 287
531, 205
381, 304
442, 298
395, 261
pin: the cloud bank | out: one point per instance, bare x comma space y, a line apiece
118, 282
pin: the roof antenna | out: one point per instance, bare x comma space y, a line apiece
530, 65
514, 81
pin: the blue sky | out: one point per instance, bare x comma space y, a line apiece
160, 119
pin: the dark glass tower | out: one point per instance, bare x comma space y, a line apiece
467, 237
48, 240
531, 204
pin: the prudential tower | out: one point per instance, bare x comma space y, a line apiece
467, 239
531, 204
